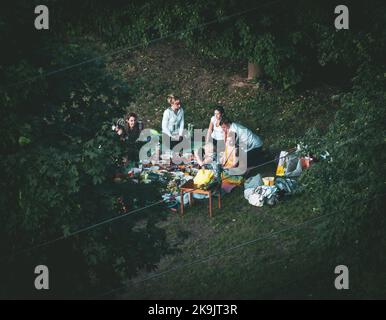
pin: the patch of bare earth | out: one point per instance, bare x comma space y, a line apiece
172, 68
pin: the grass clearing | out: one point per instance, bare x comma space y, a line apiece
263, 269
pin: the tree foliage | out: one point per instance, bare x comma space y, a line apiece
58, 159
58, 153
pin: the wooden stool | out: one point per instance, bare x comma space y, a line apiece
191, 188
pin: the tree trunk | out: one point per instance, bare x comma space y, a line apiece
254, 70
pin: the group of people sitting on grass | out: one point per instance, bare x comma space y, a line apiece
225, 140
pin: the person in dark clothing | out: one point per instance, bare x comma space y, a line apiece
133, 129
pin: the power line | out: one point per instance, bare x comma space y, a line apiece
106, 221
221, 253
103, 56
139, 209
198, 261
93, 226
218, 20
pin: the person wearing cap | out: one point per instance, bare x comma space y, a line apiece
173, 121
246, 140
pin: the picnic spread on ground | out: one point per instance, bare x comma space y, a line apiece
197, 170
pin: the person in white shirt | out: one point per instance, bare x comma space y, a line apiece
246, 140
215, 131
173, 121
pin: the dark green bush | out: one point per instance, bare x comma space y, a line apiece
58, 158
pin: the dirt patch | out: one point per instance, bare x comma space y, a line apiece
168, 67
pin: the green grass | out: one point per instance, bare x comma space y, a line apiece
203, 83
250, 271
281, 265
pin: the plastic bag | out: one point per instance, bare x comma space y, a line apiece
203, 177
253, 182
289, 165
263, 194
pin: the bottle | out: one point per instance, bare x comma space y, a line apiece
216, 167
140, 125
157, 153
190, 129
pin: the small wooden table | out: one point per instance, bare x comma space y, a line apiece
190, 187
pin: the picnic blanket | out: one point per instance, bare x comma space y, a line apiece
229, 182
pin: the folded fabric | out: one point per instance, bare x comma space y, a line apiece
200, 196
248, 192
287, 185
253, 182
230, 182
256, 200
185, 197
262, 194
227, 187
236, 180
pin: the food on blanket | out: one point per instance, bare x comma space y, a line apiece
172, 186
164, 162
